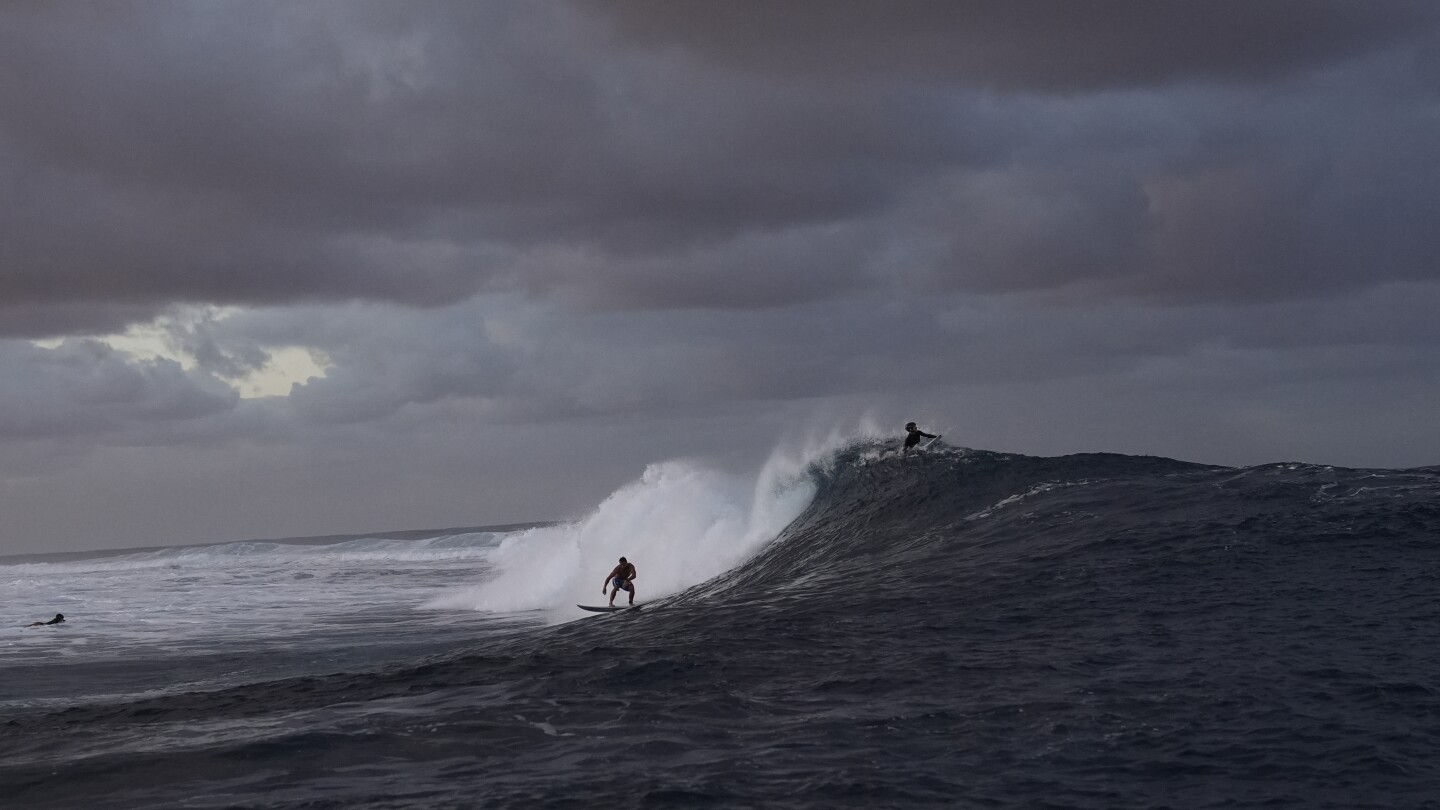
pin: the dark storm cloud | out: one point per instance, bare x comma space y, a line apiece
201, 152
93, 318
659, 155
243, 153
1026, 45
1203, 194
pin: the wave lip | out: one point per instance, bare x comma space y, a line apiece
680, 524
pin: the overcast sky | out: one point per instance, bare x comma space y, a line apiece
289, 268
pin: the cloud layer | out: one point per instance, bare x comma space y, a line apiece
683, 225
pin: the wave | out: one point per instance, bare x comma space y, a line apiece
941, 618
680, 524
853, 512
921, 524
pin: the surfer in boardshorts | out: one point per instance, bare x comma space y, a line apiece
621, 578
913, 435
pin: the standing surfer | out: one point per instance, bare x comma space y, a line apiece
914, 434
622, 577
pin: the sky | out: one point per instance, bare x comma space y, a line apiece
276, 269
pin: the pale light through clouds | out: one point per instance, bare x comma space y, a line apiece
279, 368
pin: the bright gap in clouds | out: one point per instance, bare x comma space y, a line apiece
288, 365
285, 366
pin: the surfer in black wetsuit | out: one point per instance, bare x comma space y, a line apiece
59, 619
914, 434
622, 577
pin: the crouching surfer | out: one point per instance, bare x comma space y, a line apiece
59, 619
621, 578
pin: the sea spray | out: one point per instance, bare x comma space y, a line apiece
681, 524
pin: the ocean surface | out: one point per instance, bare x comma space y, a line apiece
851, 627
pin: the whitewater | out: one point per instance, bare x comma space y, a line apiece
151, 621
848, 626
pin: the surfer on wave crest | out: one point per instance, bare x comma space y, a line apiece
914, 434
622, 577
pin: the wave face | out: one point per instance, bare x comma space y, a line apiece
680, 523
953, 629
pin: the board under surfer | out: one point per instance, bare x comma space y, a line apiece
914, 434
622, 578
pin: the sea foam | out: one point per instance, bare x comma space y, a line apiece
680, 524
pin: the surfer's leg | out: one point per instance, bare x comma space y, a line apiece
632, 593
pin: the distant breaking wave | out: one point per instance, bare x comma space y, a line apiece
210, 557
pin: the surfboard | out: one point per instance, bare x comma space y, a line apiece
607, 609
932, 441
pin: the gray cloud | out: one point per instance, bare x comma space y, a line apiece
83, 387
1025, 45
18, 319
309, 153
636, 155
563, 239
528, 363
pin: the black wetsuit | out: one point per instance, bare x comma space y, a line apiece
914, 437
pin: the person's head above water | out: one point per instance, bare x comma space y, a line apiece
622, 560
909, 425
59, 617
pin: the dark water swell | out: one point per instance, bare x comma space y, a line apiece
962, 629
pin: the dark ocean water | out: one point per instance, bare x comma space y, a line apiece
956, 629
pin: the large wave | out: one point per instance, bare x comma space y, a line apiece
681, 524
871, 627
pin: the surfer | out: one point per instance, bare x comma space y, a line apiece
622, 577
59, 619
914, 434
